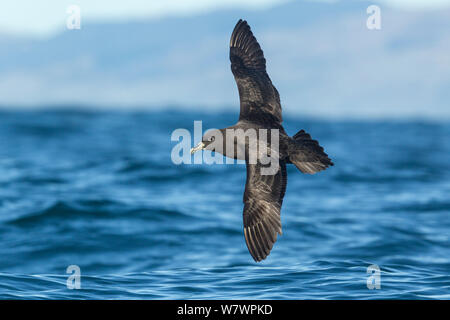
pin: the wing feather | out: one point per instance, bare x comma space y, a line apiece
260, 100
263, 198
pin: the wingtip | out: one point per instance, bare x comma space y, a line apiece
260, 259
241, 23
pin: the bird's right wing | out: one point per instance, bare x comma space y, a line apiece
263, 198
260, 101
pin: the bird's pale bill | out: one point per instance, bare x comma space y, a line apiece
198, 147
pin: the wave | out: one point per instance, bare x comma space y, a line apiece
320, 279
429, 206
93, 209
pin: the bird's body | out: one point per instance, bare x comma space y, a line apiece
260, 112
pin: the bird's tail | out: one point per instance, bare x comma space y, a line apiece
306, 154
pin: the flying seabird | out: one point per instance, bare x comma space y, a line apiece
260, 108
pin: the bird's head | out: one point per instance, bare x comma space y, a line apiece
211, 140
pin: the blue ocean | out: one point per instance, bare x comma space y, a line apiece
98, 190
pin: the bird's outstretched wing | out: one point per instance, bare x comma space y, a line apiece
260, 101
263, 198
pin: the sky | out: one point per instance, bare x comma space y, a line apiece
47, 17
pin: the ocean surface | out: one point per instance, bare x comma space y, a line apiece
98, 190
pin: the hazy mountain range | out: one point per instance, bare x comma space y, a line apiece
321, 57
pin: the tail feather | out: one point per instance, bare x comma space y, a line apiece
307, 155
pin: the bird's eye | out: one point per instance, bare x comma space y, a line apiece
211, 139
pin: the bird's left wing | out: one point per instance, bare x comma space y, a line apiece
263, 198
260, 101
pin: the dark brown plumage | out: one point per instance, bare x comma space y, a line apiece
259, 98
260, 108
